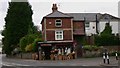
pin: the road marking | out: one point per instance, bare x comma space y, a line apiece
6, 64
13, 64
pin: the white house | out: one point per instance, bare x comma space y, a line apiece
119, 17
113, 21
90, 28
95, 23
89, 19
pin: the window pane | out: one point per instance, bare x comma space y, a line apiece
57, 32
87, 24
58, 23
59, 35
58, 20
60, 32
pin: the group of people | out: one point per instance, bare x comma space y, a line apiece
56, 54
62, 54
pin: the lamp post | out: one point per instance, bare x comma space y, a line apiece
39, 48
39, 52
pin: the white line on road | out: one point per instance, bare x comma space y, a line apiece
5, 64
13, 64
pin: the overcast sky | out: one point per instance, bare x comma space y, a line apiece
43, 7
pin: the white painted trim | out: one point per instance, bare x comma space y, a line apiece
45, 29
58, 41
72, 28
58, 34
58, 29
59, 22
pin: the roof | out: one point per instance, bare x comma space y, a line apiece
83, 16
92, 16
57, 14
108, 17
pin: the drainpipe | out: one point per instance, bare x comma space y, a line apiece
97, 24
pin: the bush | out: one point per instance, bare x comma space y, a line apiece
28, 39
106, 37
35, 43
23, 43
29, 48
90, 47
107, 40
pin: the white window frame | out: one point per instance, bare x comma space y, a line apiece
58, 23
87, 25
57, 33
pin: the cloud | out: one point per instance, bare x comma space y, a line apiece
41, 9
3, 6
73, 1
3, 11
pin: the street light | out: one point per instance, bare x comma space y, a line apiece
38, 49
39, 52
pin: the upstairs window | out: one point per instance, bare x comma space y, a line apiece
87, 25
59, 35
58, 23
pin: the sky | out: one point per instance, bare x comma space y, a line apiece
43, 7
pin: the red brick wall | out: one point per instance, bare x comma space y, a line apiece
43, 35
66, 35
66, 23
50, 35
50, 26
79, 27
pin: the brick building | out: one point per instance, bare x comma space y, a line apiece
60, 30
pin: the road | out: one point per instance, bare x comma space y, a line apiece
83, 62
0, 60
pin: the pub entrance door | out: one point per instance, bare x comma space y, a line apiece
46, 50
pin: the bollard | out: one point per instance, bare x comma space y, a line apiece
108, 61
116, 55
104, 57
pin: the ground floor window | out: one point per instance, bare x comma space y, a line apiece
59, 35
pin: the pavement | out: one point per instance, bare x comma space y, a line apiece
74, 63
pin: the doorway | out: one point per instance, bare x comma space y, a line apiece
46, 50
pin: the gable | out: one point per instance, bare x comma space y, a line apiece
57, 14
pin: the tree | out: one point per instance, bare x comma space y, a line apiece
26, 40
35, 44
106, 37
107, 31
18, 23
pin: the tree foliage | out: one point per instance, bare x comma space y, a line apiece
35, 44
106, 37
18, 23
29, 48
107, 31
27, 40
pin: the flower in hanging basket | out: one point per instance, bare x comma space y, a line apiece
56, 49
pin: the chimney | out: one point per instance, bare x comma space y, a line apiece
54, 8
